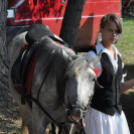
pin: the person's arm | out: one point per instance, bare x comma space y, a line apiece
126, 86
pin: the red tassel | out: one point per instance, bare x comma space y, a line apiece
97, 71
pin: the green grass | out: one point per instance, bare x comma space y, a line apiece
126, 45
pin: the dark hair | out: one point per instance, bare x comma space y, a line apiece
113, 18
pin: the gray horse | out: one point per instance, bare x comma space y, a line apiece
68, 86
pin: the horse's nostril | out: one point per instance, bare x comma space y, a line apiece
78, 112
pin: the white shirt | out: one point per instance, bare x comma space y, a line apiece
99, 47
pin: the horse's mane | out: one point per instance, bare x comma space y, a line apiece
78, 63
54, 60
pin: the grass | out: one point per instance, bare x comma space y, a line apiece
126, 48
126, 44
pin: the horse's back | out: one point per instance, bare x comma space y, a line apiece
15, 46
13, 53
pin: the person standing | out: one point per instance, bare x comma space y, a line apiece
105, 115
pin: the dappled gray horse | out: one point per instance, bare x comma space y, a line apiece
65, 80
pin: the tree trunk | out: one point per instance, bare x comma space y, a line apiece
4, 90
71, 21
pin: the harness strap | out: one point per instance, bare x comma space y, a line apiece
43, 81
24, 63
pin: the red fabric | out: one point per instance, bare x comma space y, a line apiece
30, 73
97, 71
23, 48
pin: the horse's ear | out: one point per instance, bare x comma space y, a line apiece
96, 64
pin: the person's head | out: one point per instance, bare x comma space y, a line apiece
110, 28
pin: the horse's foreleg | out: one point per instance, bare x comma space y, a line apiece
24, 129
39, 121
38, 126
26, 120
32, 121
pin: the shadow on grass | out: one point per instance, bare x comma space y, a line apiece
129, 69
127, 99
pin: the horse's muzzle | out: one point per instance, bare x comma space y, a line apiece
76, 114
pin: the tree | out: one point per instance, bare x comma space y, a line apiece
71, 21
4, 90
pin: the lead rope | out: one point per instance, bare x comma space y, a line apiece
62, 124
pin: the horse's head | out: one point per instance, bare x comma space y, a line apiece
80, 79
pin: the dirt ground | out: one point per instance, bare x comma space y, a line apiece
10, 121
